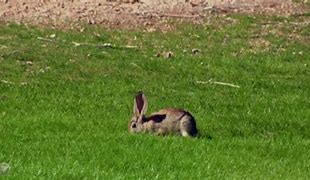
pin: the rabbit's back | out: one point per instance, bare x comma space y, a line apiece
172, 120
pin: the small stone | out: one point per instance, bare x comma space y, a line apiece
52, 35
91, 21
195, 51
4, 168
168, 54
30, 63
195, 2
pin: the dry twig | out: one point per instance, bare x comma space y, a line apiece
104, 45
77, 44
217, 82
7, 82
49, 40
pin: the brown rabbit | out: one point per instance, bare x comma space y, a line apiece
165, 121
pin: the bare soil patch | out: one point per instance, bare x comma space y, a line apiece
134, 13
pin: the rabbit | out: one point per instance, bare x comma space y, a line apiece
164, 122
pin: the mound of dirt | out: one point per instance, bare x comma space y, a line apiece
133, 13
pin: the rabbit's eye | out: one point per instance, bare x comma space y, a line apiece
133, 125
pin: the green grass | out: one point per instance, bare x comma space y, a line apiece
65, 115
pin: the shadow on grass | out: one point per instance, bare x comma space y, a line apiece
204, 135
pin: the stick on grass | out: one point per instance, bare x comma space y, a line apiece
217, 82
77, 44
104, 45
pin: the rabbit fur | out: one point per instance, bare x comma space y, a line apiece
163, 122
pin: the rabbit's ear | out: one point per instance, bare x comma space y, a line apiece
140, 104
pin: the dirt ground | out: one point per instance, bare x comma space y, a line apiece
134, 13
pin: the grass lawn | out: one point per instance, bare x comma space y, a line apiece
65, 102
